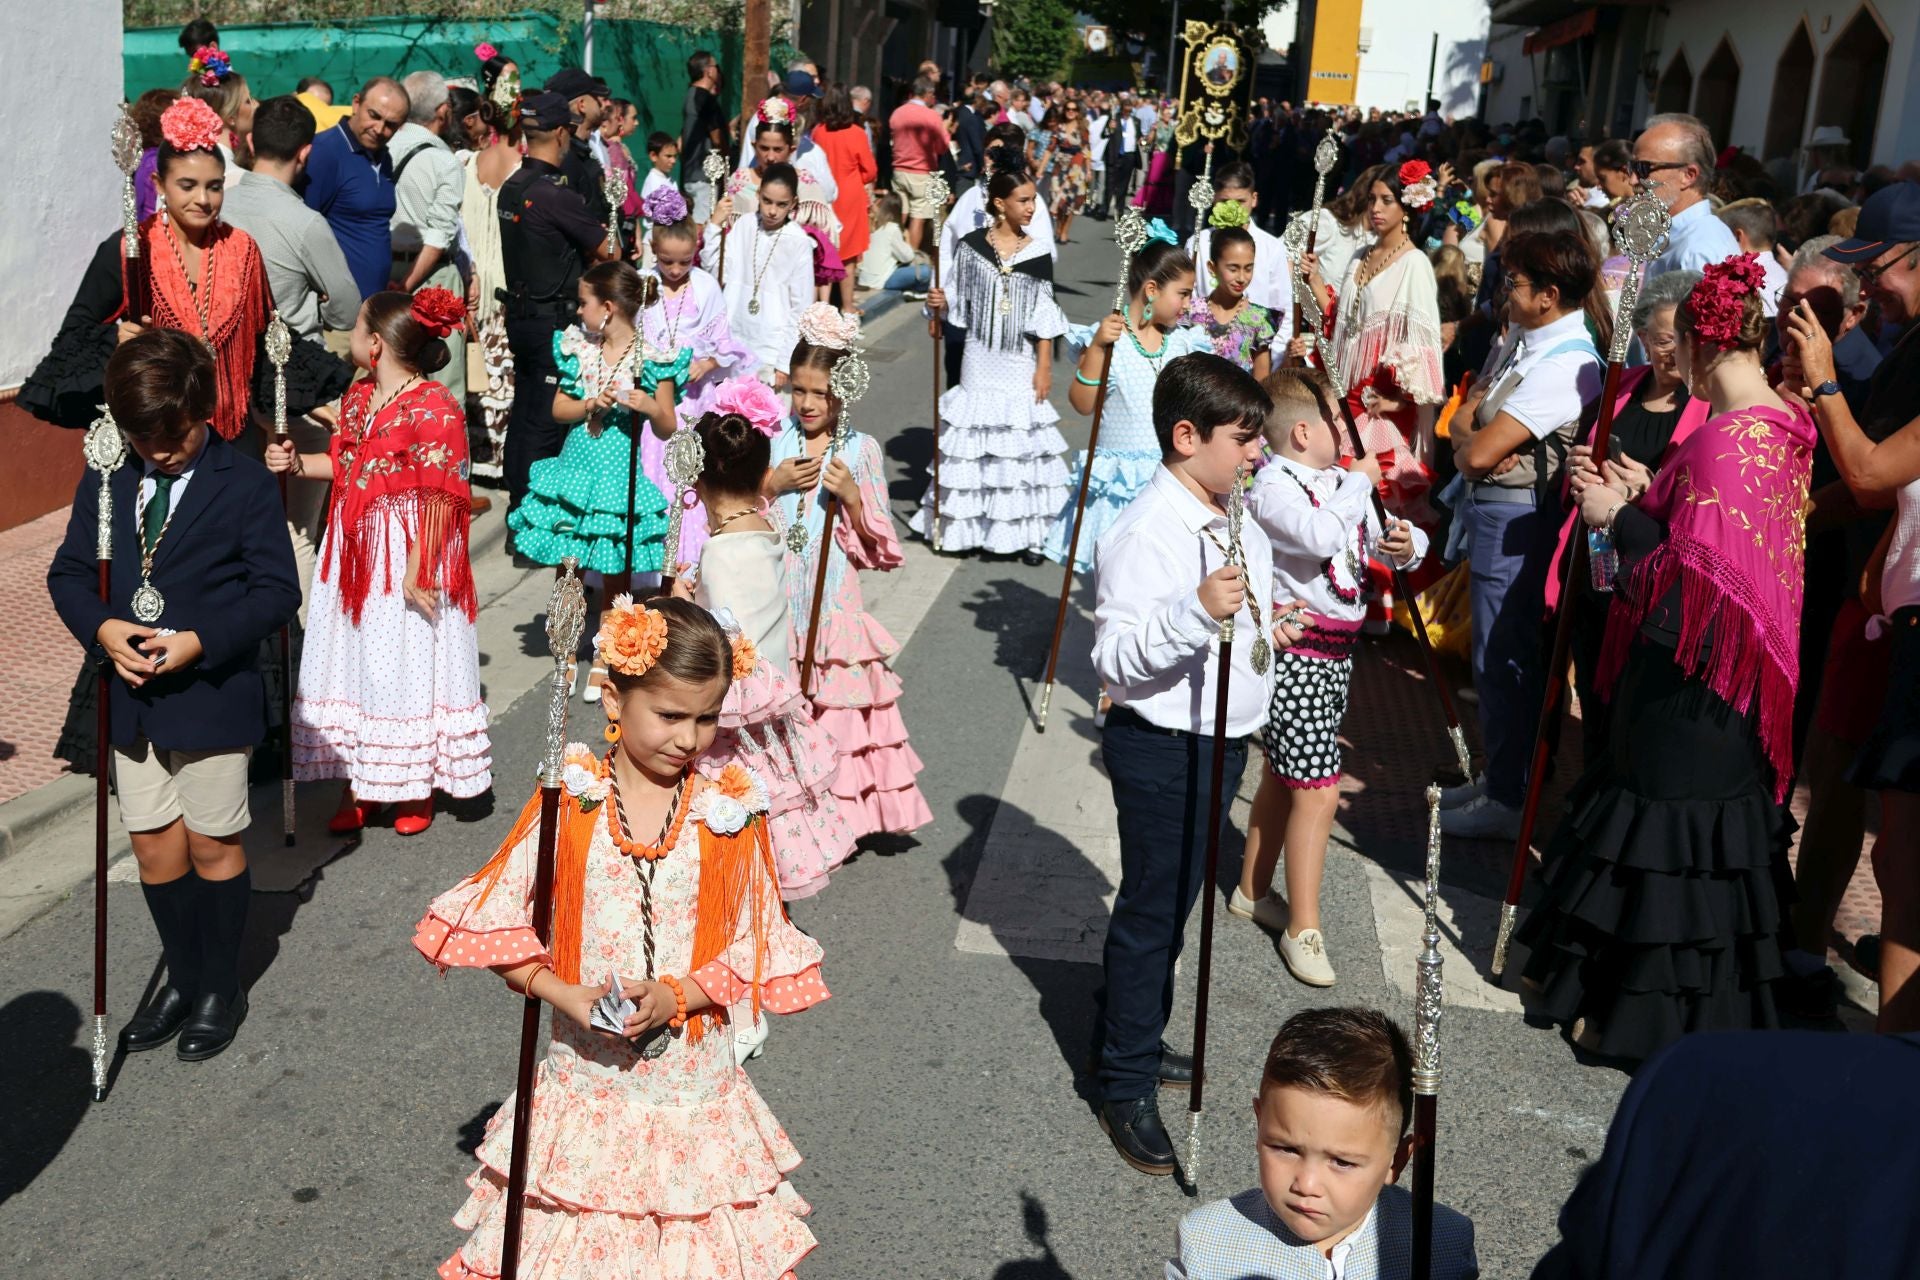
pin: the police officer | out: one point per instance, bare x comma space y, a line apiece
585, 160
547, 240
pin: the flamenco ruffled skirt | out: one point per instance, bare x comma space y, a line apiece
1664, 883
856, 699
576, 505
1001, 477
622, 1185
1118, 478
392, 704
767, 725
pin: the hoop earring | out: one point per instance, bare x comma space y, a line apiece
611, 733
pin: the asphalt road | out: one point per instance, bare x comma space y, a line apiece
937, 1097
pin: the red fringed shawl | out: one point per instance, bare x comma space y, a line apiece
237, 310
1733, 496
410, 462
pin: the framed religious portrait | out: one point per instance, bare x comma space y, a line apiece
1218, 65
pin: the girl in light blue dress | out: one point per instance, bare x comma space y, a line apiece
1143, 339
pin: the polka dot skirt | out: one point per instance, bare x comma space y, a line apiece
1303, 729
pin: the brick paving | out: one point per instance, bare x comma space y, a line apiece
40, 659
1394, 735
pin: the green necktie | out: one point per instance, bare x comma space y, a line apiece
154, 518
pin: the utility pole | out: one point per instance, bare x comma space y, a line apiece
586, 39
755, 54
1433, 61
1173, 43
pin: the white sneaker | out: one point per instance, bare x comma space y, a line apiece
1454, 797
1306, 957
1481, 818
1269, 911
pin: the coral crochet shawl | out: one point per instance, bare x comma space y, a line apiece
237, 309
737, 881
1732, 496
409, 461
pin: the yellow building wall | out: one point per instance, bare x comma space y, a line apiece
1335, 67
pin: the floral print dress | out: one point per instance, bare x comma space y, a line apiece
670, 1166
1242, 337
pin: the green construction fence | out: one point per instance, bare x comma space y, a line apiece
644, 62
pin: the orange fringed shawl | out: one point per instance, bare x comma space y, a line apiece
736, 874
236, 315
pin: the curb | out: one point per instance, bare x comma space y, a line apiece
25, 817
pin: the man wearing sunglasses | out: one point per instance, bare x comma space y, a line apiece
1675, 154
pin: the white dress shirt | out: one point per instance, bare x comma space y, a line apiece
1272, 285
1306, 537
1551, 388
1154, 647
1698, 240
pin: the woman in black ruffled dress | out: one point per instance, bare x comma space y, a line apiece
1664, 883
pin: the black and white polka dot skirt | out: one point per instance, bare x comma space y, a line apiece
1303, 726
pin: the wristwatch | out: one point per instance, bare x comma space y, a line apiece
1827, 388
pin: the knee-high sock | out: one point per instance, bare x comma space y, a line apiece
174, 906
223, 921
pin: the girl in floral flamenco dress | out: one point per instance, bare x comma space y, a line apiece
742, 578
686, 319
389, 696
577, 502
652, 1155
855, 694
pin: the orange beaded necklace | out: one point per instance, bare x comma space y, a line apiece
616, 818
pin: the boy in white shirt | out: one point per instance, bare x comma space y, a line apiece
1323, 526
1163, 585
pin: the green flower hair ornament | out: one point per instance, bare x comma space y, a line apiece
1228, 213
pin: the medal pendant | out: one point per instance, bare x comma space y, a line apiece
797, 539
652, 1044
1261, 655
1006, 306
753, 306
148, 603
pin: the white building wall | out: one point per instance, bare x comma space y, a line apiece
62, 194
1759, 31
1398, 36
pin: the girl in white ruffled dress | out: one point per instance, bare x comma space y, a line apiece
652, 1153
1001, 477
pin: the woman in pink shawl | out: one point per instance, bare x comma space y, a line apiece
1661, 912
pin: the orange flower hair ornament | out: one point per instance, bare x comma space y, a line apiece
191, 125
631, 639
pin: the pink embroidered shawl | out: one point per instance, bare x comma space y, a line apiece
1733, 496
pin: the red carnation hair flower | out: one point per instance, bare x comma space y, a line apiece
1414, 170
191, 125
439, 310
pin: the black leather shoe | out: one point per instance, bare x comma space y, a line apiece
1176, 1069
212, 1027
156, 1024
1138, 1135
1033, 558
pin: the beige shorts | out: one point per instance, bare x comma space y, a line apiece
207, 788
914, 188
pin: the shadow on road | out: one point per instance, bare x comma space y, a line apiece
1044, 1267
474, 1131
45, 1082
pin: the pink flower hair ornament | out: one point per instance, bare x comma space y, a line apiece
1718, 304
485, 52
191, 125
753, 400
822, 325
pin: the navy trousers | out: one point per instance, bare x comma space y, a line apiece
1160, 787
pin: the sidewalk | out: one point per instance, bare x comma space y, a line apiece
41, 658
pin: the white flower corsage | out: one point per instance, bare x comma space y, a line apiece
582, 776
732, 800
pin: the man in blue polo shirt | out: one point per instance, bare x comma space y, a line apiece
350, 181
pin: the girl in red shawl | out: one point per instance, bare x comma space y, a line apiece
194, 273
389, 695
1661, 913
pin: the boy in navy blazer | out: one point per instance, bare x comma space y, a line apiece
202, 572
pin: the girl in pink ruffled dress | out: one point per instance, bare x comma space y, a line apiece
652, 1155
855, 693
688, 316
741, 579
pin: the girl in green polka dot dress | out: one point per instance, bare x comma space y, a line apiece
611, 383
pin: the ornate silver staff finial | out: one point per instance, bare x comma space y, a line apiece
126, 158
615, 187
714, 166
1326, 154
1130, 233
1641, 227
279, 343
1236, 520
105, 449
938, 193
1427, 991
566, 619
